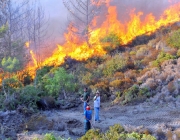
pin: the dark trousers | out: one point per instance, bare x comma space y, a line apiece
87, 126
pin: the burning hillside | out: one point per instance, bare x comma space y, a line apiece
78, 49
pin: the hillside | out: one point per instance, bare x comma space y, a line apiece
139, 85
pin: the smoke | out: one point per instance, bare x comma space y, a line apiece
57, 13
156, 7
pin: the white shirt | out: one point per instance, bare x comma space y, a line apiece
97, 101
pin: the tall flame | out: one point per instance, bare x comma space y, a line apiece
27, 44
79, 50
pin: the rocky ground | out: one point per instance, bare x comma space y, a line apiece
69, 123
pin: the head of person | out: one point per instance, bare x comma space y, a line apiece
85, 89
97, 93
88, 107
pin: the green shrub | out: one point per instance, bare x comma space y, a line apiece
174, 39
132, 53
178, 53
49, 136
111, 42
29, 96
161, 58
41, 72
115, 132
134, 93
59, 81
92, 135
11, 85
116, 63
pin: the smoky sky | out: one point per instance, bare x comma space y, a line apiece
56, 13
156, 7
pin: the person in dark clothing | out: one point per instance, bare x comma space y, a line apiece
88, 117
85, 98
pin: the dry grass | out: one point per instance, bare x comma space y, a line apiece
169, 135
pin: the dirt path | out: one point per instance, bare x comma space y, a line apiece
133, 118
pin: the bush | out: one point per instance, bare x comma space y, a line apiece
92, 135
41, 72
49, 136
174, 39
142, 52
11, 85
111, 42
115, 132
29, 96
59, 81
116, 63
161, 58
135, 93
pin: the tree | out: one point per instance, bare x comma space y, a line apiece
12, 18
10, 64
59, 81
82, 13
36, 29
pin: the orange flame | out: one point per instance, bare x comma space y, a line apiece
27, 44
75, 48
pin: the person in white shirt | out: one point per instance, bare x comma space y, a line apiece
97, 106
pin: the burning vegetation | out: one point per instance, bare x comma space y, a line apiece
97, 45
110, 30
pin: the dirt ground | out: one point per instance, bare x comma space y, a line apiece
133, 118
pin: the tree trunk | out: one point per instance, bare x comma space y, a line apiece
65, 95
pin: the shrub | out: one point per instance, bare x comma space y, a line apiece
142, 52
92, 135
174, 39
49, 136
132, 53
29, 96
119, 75
178, 53
115, 132
171, 86
41, 72
116, 83
161, 58
116, 63
131, 93
111, 42
59, 81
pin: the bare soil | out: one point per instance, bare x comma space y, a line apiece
137, 118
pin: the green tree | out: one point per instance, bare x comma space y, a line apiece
3, 30
10, 64
59, 81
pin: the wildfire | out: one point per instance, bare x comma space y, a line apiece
79, 50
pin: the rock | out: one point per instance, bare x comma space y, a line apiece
76, 132
46, 103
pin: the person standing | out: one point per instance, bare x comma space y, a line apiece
85, 99
88, 117
97, 106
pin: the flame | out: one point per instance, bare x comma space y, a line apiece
138, 24
33, 58
27, 44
